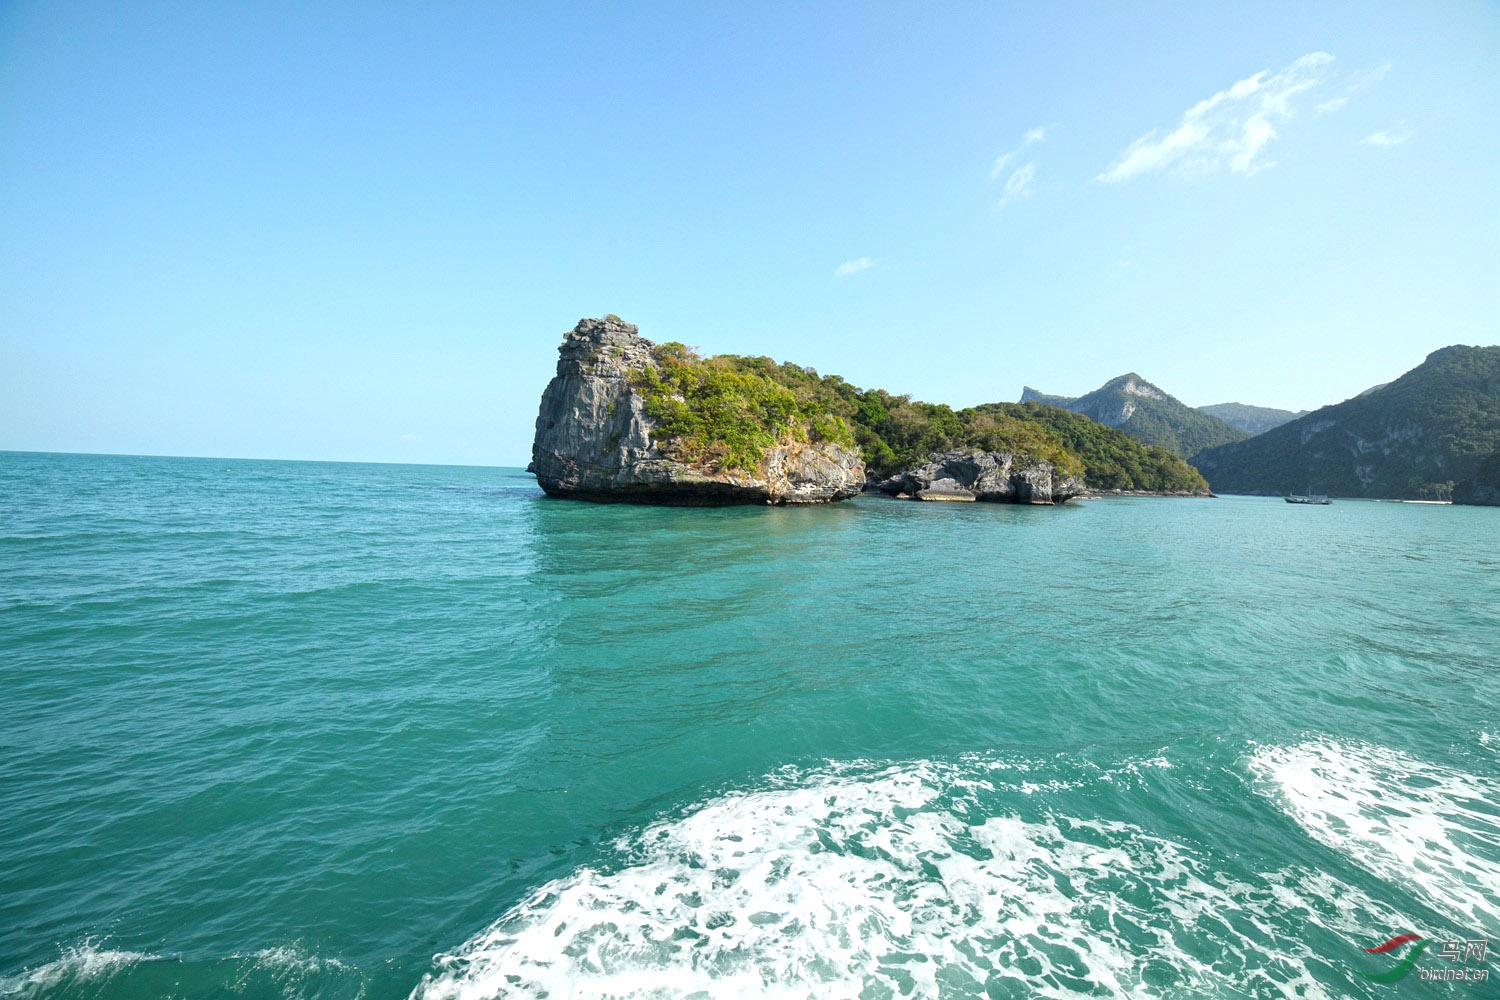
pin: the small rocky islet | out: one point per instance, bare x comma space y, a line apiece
598, 439
629, 420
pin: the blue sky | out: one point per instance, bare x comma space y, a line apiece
358, 231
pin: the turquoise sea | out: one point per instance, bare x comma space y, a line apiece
281, 729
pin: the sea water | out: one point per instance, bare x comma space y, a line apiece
277, 729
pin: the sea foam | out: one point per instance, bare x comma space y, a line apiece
867, 881
1432, 829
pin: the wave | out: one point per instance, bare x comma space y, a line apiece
290, 971
90, 969
88, 962
1431, 829
917, 879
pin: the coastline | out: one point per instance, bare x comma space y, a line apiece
1177, 494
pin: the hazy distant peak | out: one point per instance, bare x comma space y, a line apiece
1251, 419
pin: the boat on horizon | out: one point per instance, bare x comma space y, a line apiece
1316, 498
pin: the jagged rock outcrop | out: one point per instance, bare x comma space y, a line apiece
978, 475
1116, 401
595, 441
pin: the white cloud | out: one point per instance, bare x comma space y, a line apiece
849, 268
1385, 140
1031, 138
1018, 185
1353, 84
1365, 77
1230, 129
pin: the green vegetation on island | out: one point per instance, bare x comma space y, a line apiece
1112, 459
1421, 437
1178, 427
727, 410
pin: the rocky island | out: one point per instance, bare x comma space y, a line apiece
628, 420
599, 436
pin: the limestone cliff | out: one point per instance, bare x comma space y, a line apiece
977, 475
596, 440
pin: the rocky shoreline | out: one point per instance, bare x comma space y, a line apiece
1184, 494
993, 477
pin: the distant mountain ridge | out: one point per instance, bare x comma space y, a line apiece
1423, 436
1030, 395
1146, 413
1251, 419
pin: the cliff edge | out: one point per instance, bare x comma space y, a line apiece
597, 437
